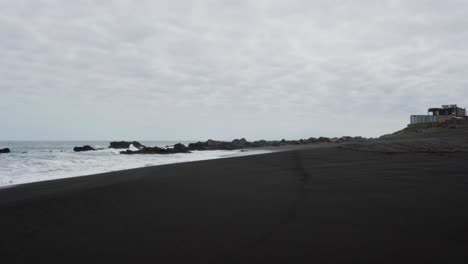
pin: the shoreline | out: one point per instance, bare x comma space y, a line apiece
240, 154
121, 170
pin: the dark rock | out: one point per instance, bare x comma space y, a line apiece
293, 142
125, 144
275, 143
347, 139
181, 148
198, 146
259, 143
240, 143
84, 148
208, 145
178, 148
323, 140
5, 150
220, 145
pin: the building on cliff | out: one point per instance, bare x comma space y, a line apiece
440, 115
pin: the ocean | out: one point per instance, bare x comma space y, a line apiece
32, 161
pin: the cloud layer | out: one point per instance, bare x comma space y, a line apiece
225, 69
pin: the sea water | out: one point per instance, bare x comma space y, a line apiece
31, 161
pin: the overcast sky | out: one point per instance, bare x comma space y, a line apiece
226, 69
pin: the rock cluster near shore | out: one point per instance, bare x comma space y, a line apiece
5, 150
113, 145
218, 145
238, 144
243, 143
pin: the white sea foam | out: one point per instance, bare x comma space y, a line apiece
54, 160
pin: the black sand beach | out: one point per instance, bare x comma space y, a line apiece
400, 200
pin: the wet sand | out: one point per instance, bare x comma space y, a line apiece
347, 203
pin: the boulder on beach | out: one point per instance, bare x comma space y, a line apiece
5, 150
240, 143
198, 146
83, 148
125, 144
181, 148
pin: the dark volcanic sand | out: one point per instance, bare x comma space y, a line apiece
327, 205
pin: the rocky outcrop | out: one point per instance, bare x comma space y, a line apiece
83, 148
5, 150
221, 145
233, 145
178, 148
243, 143
125, 144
